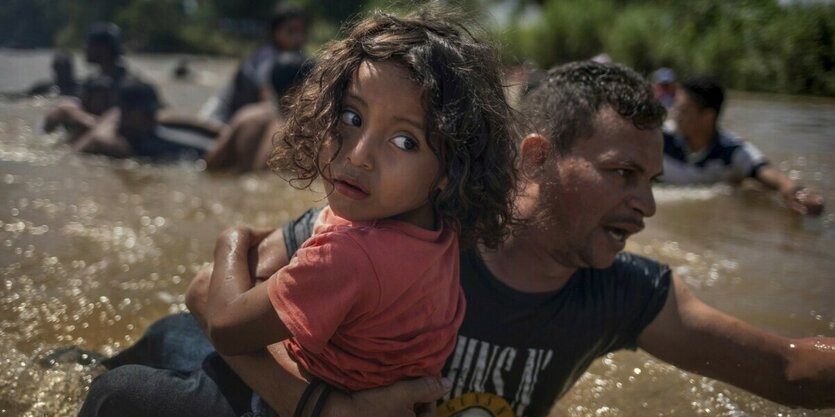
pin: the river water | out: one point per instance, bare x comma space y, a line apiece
93, 250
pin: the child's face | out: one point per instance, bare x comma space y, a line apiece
385, 168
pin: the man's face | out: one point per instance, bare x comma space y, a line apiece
291, 35
689, 117
597, 195
97, 52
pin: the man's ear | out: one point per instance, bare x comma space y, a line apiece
534, 151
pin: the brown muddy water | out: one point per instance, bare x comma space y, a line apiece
93, 250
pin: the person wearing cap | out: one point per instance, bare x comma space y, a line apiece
664, 86
246, 144
287, 32
134, 129
699, 152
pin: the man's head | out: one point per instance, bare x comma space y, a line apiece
697, 108
288, 27
664, 86
138, 104
104, 44
97, 94
593, 150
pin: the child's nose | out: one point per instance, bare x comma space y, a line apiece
360, 154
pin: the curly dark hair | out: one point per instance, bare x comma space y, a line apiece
467, 117
563, 105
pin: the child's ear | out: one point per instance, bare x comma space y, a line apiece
535, 151
443, 183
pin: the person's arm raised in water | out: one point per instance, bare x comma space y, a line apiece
798, 198
695, 337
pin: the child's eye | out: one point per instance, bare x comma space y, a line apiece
350, 118
406, 143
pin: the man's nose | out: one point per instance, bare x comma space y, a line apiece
643, 200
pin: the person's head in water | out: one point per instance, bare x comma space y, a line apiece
104, 44
593, 150
406, 117
63, 71
288, 27
698, 106
288, 70
97, 94
138, 104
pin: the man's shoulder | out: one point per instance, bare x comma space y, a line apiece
727, 139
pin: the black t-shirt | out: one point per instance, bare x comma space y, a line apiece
517, 352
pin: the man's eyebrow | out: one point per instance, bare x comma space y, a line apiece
631, 164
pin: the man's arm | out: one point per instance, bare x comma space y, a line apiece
696, 337
104, 138
798, 198
70, 114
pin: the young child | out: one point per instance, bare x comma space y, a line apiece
406, 124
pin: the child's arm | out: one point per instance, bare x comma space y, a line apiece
239, 315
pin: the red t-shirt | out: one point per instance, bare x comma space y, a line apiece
371, 303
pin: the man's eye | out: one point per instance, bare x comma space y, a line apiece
350, 118
406, 143
625, 173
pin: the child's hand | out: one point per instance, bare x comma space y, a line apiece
197, 295
269, 256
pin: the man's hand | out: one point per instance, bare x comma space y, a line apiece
804, 201
402, 399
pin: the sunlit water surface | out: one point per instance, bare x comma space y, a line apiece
93, 250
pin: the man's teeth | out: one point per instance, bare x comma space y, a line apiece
616, 234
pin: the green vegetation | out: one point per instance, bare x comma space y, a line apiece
749, 44
755, 45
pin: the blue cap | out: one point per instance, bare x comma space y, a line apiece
663, 76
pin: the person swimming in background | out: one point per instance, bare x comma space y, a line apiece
63, 82
135, 129
664, 86
98, 92
406, 124
246, 143
699, 152
286, 32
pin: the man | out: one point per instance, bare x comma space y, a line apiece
664, 86
286, 32
701, 152
135, 129
557, 295
103, 49
247, 142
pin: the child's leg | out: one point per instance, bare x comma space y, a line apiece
136, 390
175, 342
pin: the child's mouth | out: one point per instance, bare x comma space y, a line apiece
350, 189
